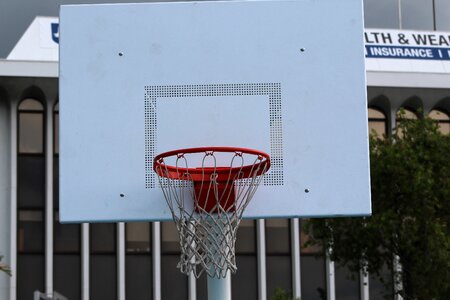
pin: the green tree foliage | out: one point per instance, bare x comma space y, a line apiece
410, 175
4, 268
281, 294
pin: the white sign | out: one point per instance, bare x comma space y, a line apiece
40, 41
407, 44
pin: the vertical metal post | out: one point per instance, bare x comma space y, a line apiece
398, 285
156, 256
295, 254
219, 288
13, 214
400, 21
192, 287
261, 253
85, 261
49, 201
121, 261
364, 284
37, 295
330, 273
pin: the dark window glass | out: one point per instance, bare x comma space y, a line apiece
246, 237
31, 131
67, 275
377, 289
30, 181
408, 114
174, 284
66, 237
138, 276
377, 122
277, 236
138, 237
313, 278
244, 283
31, 127
304, 238
202, 288
347, 284
103, 238
170, 241
31, 105
417, 14
278, 274
30, 231
103, 278
30, 275
442, 15
381, 14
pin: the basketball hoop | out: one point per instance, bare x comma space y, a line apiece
207, 201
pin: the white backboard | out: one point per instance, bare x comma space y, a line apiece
284, 77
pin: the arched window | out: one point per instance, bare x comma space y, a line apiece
443, 120
377, 122
405, 114
30, 197
408, 114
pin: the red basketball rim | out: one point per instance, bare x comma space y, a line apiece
223, 172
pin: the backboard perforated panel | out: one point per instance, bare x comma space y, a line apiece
140, 79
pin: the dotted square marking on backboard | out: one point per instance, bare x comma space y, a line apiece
272, 90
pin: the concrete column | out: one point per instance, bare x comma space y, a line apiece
13, 203
49, 200
5, 192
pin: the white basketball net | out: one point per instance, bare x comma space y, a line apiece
204, 212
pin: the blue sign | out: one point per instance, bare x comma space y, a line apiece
403, 52
55, 32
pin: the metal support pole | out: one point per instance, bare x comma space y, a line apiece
364, 284
398, 282
261, 250
121, 261
85, 261
192, 287
295, 261
219, 289
156, 255
331, 290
